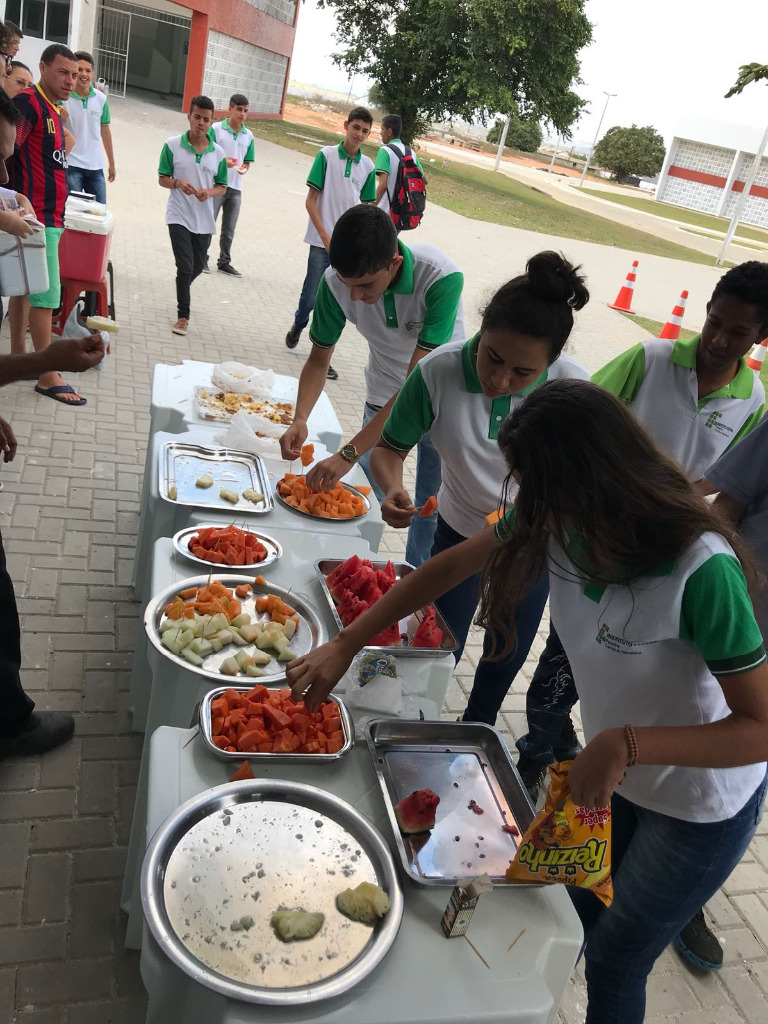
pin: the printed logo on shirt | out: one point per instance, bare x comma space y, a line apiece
619, 644
713, 421
413, 324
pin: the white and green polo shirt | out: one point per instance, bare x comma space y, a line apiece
179, 159
658, 380
647, 652
238, 145
442, 395
422, 309
388, 163
86, 116
342, 181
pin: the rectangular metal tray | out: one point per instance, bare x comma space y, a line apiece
448, 646
347, 726
182, 464
459, 761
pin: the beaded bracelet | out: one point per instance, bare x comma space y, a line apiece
631, 738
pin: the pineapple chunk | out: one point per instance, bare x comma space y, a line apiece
204, 481
366, 903
231, 496
173, 492
255, 496
296, 924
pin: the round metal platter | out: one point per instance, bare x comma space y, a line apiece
182, 538
225, 861
310, 634
311, 515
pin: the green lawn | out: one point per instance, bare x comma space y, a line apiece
485, 195
699, 220
653, 327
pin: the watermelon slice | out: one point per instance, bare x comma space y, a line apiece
358, 580
388, 637
347, 568
429, 633
416, 813
383, 580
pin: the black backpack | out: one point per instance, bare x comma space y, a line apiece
409, 196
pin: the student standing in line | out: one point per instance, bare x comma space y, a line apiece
405, 301
461, 394
341, 177
388, 162
648, 591
89, 122
237, 142
194, 169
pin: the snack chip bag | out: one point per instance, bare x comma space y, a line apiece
566, 844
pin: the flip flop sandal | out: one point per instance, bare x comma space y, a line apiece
57, 390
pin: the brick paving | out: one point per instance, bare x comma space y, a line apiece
69, 519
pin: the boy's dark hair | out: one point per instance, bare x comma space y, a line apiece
202, 103
540, 302
84, 55
238, 100
395, 124
748, 283
18, 64
8, 111
364, 241
360, 114
50, 53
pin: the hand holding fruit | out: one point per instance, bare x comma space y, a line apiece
243, 168
231, 161
398, 510
326, 474
292, 440
75, 355
8, 442
313, 676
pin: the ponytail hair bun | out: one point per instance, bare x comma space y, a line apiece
553, 278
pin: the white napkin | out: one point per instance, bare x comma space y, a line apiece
241, 435
243, 380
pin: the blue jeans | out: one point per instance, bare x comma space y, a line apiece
664, 870
548, 703
318, 262
458, 606
230, 202
80, 179
429, 476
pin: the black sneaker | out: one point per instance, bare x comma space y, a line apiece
292, 337
532, 773
698, 945
43, 731
206, 268
229, 269
332, 374
567, 746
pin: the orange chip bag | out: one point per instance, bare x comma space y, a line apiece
566, 844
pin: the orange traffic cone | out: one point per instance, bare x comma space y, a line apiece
756, 357
671, 329
624, 299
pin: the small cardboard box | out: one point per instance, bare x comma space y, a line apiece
459, 912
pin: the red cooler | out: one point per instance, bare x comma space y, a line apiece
84, 246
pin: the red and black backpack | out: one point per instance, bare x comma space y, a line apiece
409, 196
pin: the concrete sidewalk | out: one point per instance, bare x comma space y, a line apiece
69, 519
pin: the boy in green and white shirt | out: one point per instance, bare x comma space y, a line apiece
341, 177
89, 122
237, 142
387, 162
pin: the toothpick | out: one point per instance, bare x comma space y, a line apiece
522, 933
474, 947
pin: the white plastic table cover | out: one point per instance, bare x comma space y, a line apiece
426, 978
161, 518
173, 402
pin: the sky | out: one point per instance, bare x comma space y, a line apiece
668, 61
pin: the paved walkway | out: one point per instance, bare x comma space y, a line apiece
69, 520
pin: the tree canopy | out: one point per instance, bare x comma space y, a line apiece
523, 133
748, 73
437, 59
627, 151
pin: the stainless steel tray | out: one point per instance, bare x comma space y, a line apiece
347, 726
310, 634
245, 850
409, 625
460, 761
322, 519
182, 464
182, 538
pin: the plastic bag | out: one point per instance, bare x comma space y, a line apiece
75, 327
243, 380
566, 844
373, 684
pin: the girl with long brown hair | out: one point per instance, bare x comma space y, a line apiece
649, 595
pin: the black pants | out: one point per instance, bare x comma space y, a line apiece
15, 705
548, 702
190, 252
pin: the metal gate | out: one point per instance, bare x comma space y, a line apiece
112, 49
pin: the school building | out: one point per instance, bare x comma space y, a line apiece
705, 168
176, 50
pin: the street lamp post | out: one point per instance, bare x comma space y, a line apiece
554, 154
741, 202
502, 140
608, 96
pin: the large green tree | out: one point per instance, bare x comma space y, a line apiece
748, 73
627, 151
437, 59
523, 133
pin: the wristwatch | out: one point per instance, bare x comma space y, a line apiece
350, 453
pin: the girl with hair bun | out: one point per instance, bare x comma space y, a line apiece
461, 394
